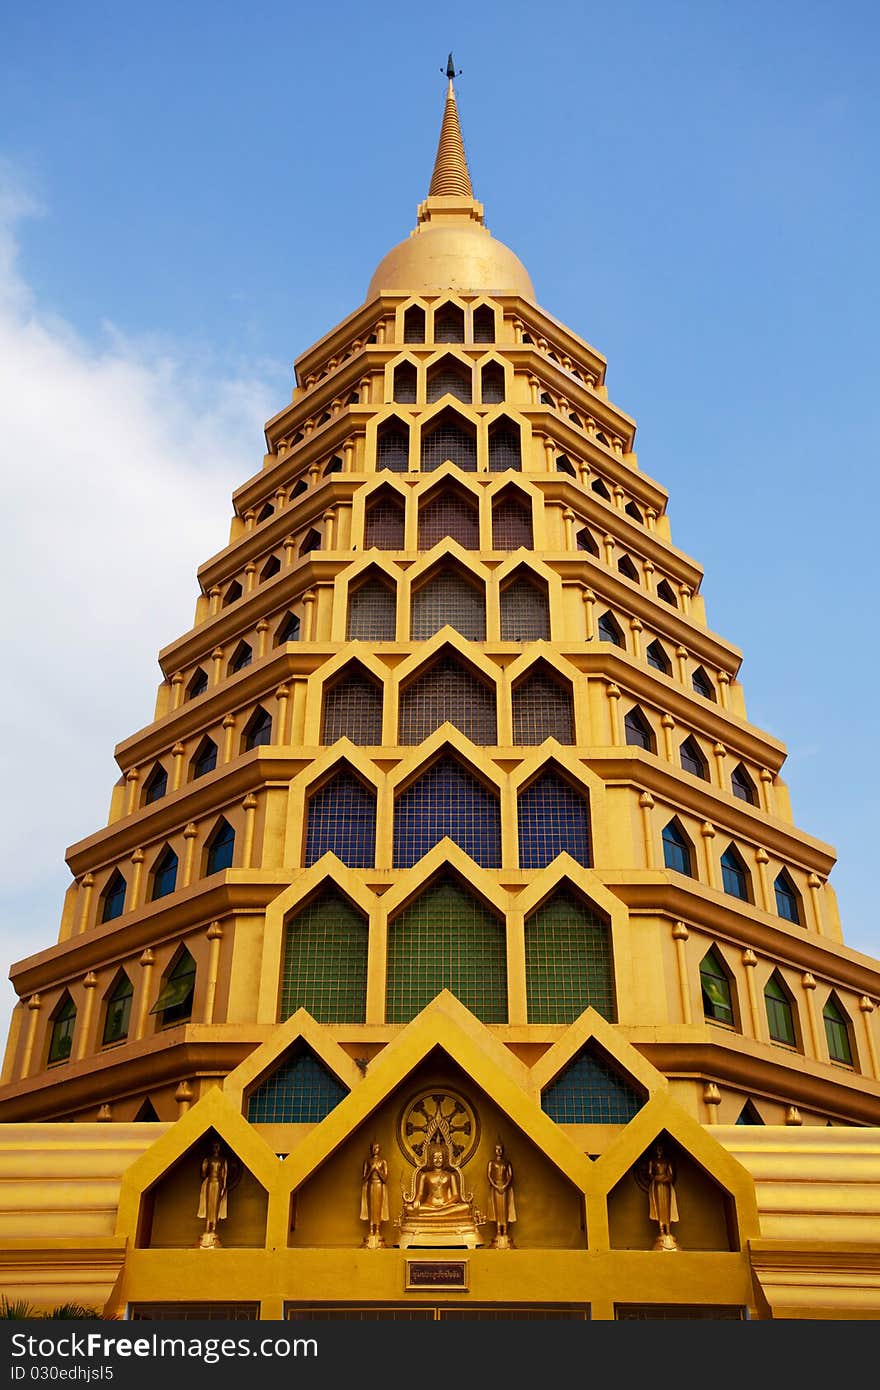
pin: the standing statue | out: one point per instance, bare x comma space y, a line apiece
662, 1204
502, 1203
374, 1197
213, 1194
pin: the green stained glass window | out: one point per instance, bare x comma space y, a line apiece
301, 1090
63, 1024
779, 1015
837, 1033
447, 939
590, 1092
176, 995
569, 963
324, 965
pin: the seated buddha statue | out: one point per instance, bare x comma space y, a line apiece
437, 1211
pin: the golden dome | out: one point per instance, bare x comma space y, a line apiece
450, 249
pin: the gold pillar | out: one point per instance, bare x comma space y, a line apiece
608, 542
215, 936
680, 936
750, 961
177, 754
809, 985
646, 802
34, 1004
568, 524
87, 887
589, 603
84, 1024
217, 659
309, 618
176, 690
146, 962
137, 860
214, 600
720, 753
651, 520
131, 778
250, 577
707, 830
183, 1095
815, 885
766, 779
724, 689
189, 834
636, 629
712, 1100
282, 695
667, 724
762, 859
262, 629
867, 1007
681, 653
614, 713
329, 519
250, 812
228, 737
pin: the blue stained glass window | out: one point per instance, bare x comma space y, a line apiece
553, 817
165, 874
447, 799
342, 821
221, 847
590, 1092
787, 898
676, 850
734, 875
156, 785
114, 897
205, 758
447, 597
300, 1091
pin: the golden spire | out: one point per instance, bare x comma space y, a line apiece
450, 176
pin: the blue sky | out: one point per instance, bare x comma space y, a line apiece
191, 194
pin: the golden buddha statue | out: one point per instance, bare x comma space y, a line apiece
437, 1211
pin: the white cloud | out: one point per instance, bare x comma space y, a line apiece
117, 462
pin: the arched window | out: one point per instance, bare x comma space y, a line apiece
334, 466
353, 708
384, 521
301, 1090
484, 324
241, 657
113, 897
324, 960
610, 631
788, 899
715, 989
780, 1018
749, 1115
525, 610
554, 818
742, 785
451, 438
405, 379
220, 847
565, 465
414, 324
735, 876
342, 821
452, 514
448, 690
546, 399
448, 597
656, 655
156, 785
233, 593
447, 939
632, 510
270, 569
175, 1001
702, 684
298, 489
542, 708
265, 512
449, 377
204, 759
600, 489
628, 569
448, 324
664, 591
505, 448
511, 523
492, 383
692, 759
589, 1090
638, 731
257, 731
447, 799
63, 1022
677, 853
837, 1033
198, 684
164, 877
569, 963
311, 541
392, 446
586, 542
372, 610
118, 1012
288, 631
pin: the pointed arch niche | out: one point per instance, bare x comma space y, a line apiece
169, 1208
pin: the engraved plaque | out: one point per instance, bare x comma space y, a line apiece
436, 1274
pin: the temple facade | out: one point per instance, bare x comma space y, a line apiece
450, 950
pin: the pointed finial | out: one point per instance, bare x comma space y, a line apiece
450, 177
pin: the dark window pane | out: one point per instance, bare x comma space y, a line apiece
779, 1016
118, 1016
61, 1035
451, 515
342, 821
449, 378
542, 708
734, 876
448, 690
353, 709
221, 848
676, 850
525, 611
715, 988
165, 874
259, 730
511, 524
302, 1090
114, 897
447, 799
554, 818
452, 441
590, 1092
837, 1034
372, 612
392, 447
205, 759
505, 450
448, 597
384, 524
637, 731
